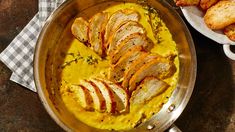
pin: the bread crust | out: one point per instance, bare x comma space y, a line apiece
206, 4
186, 2
220, 15
229, 31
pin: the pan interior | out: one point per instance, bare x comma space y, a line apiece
50, 44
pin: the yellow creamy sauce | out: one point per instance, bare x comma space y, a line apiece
69, 49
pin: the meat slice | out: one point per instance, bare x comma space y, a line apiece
83, 96
120, 96
107, 94
96, 31
135, 67
117, 18
97, 97
79, 29
117, 71
161, 68
125, 30
132, 41
149, 88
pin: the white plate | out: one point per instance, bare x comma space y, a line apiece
195, 17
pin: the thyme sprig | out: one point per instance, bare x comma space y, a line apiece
76, 58
91, 61
155, 21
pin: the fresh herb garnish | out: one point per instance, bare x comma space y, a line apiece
75, 59
90, 60
155, 21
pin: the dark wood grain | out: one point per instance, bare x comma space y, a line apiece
211, 108
20, 109
212, 105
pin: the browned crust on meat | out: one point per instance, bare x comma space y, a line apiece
80, 34
97, 22
124, 93
88, 98
154, 66
135, 66
142, 88
114, 27
117, 70
131, 42
113, 42
102, 100
111, 94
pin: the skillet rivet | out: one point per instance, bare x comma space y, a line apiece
171, 108
150, 127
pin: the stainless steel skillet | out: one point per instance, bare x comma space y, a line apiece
51, 33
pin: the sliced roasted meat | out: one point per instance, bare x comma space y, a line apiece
97, 97
149, 88
83, 96
117, 71
132, 41
136, 66
125, 30
96, 31
117, 18
79, 29
161, 68
120, 95
107, 93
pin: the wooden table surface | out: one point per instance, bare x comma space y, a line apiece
210, 109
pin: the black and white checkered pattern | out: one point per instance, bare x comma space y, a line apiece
18, 56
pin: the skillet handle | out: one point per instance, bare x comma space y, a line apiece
174, 128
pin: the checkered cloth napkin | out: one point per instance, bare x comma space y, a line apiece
18, 56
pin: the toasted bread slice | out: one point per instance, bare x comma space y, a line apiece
206, 4
132, 41
79, 29
117, 18
161, 68
148, 88
230, 32
98, 99
117, 71
120, 95
107, 94
96, 31
125, 30
186, 2
135, 67
220, 15
83, 96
